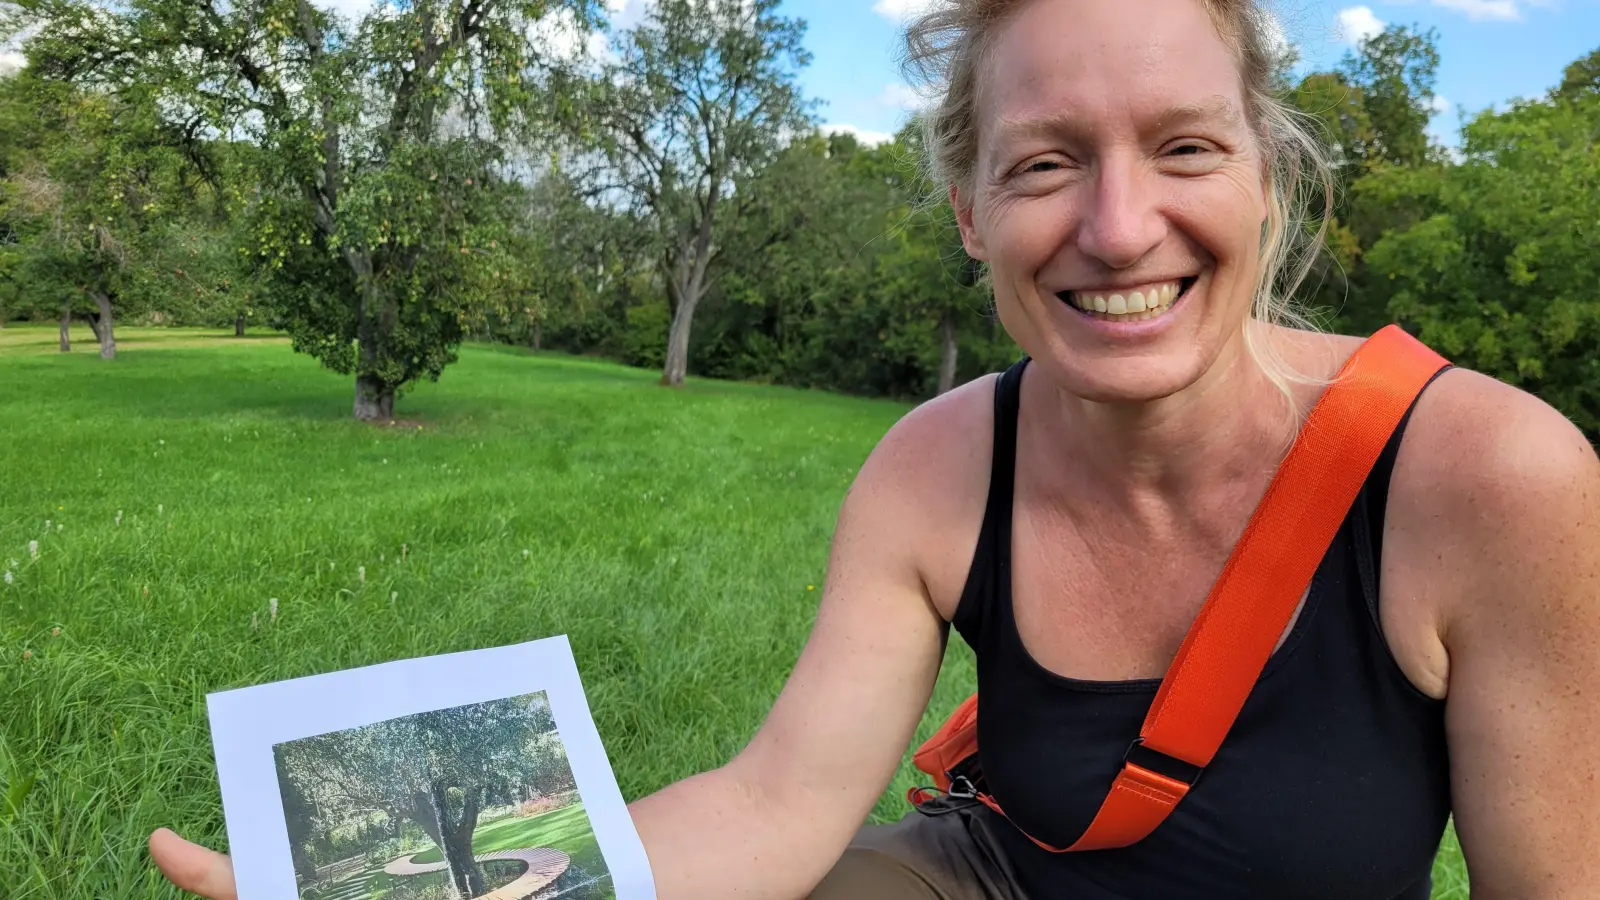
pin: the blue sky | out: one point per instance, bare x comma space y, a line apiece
1490, 51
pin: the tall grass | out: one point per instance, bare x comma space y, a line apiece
677, 538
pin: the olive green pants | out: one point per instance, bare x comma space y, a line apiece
950, 854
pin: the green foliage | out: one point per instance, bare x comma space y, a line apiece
1395, 71
1501, 274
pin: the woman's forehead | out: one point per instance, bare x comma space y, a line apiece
1084, 60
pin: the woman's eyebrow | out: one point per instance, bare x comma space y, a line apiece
1216, 109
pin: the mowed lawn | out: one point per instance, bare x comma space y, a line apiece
678, 538
567, 830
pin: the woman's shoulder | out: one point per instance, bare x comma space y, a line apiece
1478, 445
927, 481
1494, 513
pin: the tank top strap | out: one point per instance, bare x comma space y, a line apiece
990, 572
1372, 506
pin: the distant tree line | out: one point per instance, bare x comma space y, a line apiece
383, 189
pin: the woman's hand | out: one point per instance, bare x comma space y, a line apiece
193, 868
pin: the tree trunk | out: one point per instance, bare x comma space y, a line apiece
677, 365
108, 340
374, 399
947, 358
465, 873
538, 335
66, 327
238, 325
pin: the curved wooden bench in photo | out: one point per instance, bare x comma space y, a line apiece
544, 867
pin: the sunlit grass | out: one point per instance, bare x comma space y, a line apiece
674, 536
567, 830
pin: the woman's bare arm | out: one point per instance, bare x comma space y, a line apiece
1511, 546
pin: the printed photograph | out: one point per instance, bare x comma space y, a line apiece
475, 801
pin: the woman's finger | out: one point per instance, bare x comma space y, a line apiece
193, 868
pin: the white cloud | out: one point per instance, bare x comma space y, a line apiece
1277, 38
349, 10
900, 96
1358, 23
1484, 10
901, 10
1440, 104
870, 138
559, 35
11, 61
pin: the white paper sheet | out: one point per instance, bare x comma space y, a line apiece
248, 722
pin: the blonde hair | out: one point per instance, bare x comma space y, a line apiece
947, 47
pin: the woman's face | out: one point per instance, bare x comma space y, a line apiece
1118, 195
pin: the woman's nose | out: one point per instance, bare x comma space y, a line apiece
1122, 221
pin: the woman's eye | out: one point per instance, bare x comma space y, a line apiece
1043, 165
1188, 150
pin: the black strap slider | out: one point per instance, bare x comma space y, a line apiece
1160, 763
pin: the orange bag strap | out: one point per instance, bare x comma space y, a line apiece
1262, 583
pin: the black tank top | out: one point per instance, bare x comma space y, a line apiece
1333, 782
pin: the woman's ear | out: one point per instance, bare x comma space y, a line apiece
970, 239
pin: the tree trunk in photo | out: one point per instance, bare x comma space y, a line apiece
947, 356
108, 340
66, 327
238, 325
374, 399
538, 335
455, 839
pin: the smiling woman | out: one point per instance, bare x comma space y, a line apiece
1123, 171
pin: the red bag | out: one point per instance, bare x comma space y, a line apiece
1247, 611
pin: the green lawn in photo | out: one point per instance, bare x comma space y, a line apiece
567, 830
678, 538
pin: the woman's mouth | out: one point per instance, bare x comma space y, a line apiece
1147, 302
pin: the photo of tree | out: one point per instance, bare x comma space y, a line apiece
474, 801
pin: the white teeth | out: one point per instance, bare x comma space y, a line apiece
1135, 306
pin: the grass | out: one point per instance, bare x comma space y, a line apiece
676, 537
567, 830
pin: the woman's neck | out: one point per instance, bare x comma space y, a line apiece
1231, 424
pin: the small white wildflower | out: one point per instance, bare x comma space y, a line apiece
525, 554
46, 524
9, 577
13, 564
253, 622
403, 552
361, 574
386, 460
393, 595
33, 549
380, 557
161, 442
59, 526
330, 565
161, 509
272, 604
119, 518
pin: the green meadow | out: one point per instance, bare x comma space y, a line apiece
152, 508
